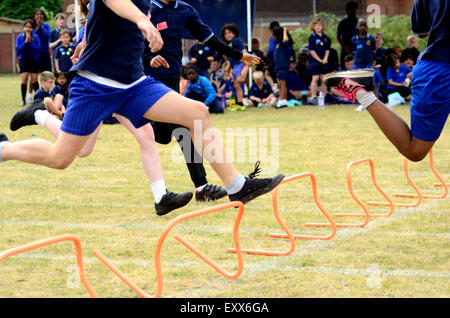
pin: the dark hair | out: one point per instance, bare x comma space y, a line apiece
348, 58
189, 67
391, 60
278, 32
230, 27
28, 21
36, 11
351, 5
83, 6
274, 24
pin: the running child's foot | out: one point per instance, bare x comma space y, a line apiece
25, 117
171, 201
255, 187
210, 192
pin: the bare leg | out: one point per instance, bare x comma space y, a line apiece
314, 85
177, 109
149, 151
42, 152
398, 132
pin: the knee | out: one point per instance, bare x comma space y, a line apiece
415, 157
61, 163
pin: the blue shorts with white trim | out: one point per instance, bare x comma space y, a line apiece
90, 103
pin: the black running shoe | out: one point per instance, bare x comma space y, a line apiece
255, 187
25, 117
210, 192
3, 137
171, 201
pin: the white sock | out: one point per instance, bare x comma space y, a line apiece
365, 98
41, 116
159, 190
200, 188
2, 144
236, 185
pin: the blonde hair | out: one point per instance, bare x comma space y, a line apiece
46, 76
317, 21
258, 75
64, 31
411, 37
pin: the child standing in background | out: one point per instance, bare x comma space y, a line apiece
281, 59
319, 50
28, 48
64, 52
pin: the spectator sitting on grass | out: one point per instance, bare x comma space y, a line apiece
294, 84
398, 77
199, 88
53, 103
261, 92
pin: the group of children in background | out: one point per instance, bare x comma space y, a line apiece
281, 80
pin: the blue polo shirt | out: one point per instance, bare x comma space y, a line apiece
377, 79
398, 77
432, 17
201, 53
364, 50
171, 20
40, 94
63, 55
106, 32
281, 56
238, 45
347, 29
203, 88
294, 83
319, 44
263, 92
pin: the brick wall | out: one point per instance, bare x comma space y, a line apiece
6, 52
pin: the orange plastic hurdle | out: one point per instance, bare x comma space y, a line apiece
366, 214
283, 226
50, 241
332, 224
443, 184
197, 252
411, 182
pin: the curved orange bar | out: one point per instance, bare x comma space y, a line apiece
162, 238
366, 214
50, 241
332, 224
443, 184
411, 182
280, 221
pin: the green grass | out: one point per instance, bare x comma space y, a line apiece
106, 201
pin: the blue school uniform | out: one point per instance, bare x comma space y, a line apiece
377, 79
41, 93
28, 53
64, 91
171, 20
295, 83
201, 53
319, 44
363, 51
44, 34
397, 76
110, 74
261, 93
430, 104
204, 92
282, 60
63, 55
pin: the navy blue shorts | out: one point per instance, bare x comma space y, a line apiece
318, 69
430, 100
90, 103
282, 74
28, 66
237, 70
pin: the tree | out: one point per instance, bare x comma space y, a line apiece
20, 9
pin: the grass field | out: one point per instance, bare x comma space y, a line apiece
106, 201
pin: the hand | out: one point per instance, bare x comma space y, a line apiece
159, 61
78, 51
324, 61
250, 59
151, 34
27, 37
193, 60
